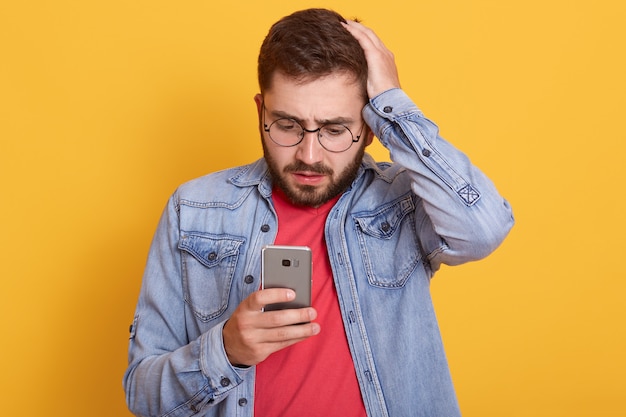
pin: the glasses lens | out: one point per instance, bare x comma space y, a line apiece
335, 137
285, 132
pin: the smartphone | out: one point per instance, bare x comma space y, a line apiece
287, 267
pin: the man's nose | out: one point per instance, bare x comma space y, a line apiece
310, 150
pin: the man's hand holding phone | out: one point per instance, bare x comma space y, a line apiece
251, 334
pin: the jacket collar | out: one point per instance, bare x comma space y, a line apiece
257, 174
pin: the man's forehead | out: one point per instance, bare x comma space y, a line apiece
344, 119
280, 78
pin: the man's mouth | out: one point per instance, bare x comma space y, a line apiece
308, 177
308, 174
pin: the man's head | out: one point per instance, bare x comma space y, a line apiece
310, 44
313, 79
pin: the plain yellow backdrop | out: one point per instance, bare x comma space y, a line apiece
106, 106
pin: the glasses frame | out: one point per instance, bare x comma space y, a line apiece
267, 128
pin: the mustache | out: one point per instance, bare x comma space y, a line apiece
317, 168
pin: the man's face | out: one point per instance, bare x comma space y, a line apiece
307, 173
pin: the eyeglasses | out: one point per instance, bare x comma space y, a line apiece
287, 132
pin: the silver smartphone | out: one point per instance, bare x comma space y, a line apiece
287, 267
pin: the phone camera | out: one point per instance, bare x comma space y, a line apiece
286, 262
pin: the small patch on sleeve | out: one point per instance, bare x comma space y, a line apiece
469, 194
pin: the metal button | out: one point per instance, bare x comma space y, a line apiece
265, 228
385, 226
224, 382
242, 402
388, 109
249, 279
212, 256
426, 152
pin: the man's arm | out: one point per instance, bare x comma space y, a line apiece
166, 370
468, 217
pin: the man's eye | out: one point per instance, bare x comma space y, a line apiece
286, 124
334, 130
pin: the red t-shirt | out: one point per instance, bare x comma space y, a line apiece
315, 377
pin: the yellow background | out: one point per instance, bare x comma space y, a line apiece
106, 106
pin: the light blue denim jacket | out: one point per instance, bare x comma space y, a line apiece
386, 236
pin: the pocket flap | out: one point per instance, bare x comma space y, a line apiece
209, 249
383, 222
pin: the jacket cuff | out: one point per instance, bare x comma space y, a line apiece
214, 364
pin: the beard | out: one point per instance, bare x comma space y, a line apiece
310, 195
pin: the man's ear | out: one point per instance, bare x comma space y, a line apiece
258, 99
369, 138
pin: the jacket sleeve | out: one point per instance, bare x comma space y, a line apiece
167, 373
467, 214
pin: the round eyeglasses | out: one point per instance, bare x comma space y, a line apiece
287, 132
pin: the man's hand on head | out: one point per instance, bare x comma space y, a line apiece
382, 69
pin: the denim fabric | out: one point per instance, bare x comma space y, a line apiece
386, 236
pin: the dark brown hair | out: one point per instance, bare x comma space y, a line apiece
310, 44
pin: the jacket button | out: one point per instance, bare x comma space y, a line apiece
388, 109
426, 152
242, 402
212, 256
249, 279
385, 226
265, 228
224, 382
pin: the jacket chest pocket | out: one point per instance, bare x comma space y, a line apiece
209, 262
388, 242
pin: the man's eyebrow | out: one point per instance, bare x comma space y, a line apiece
278, 114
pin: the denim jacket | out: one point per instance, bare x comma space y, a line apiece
386, 236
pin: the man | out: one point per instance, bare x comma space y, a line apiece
201, 343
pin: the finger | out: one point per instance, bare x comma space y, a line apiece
275, 340
364, 34
288, 335
259, 299
374, 48
382, 70
280, 318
